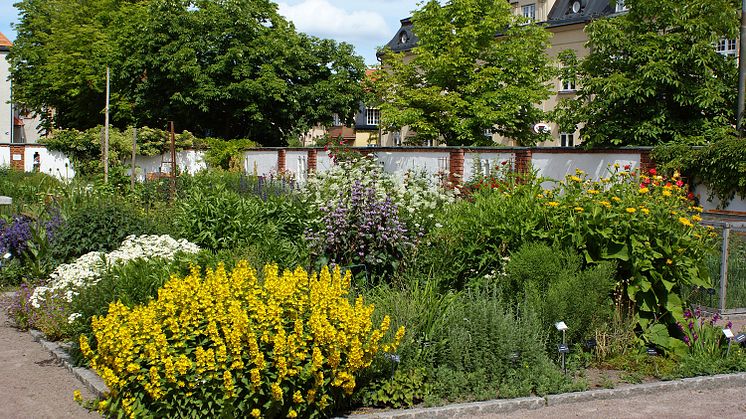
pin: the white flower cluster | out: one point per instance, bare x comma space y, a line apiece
68, 278
417, 193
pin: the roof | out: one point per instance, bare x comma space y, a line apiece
404, 40
5, 43
561, 14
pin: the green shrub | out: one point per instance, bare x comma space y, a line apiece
553, 282
99, 225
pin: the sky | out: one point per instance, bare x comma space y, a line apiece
365, 24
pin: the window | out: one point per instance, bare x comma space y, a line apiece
529, 11
336, 122
428, 143
726, 47
620, 7
568, 85
372, 116
567, 139
488, 133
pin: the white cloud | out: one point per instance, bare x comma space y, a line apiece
321, 18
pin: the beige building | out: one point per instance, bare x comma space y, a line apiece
566, 20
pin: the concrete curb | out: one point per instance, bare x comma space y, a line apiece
90, 379
464, 410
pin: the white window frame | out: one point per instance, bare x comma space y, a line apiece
620, 7
726, 47
529, 11
568, 85
567, 139
428, 143
396, 137
372, 116
336, 121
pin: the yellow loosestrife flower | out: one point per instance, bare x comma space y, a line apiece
631, 210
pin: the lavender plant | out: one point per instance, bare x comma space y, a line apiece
361, 228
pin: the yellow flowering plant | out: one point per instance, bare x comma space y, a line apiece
236, 345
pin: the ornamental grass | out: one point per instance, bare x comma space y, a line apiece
237, 345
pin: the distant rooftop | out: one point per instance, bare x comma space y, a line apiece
5, 43
564, 12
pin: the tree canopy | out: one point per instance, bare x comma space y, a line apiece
654, 76
476, 67
226, 68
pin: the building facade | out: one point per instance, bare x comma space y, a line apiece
6, 109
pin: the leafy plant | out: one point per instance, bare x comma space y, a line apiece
405, 388
287, 344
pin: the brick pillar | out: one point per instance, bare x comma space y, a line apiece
456, 167
312, 159
646, 163
523, 161
16, 150
281, 167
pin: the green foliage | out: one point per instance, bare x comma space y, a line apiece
170, 60
653, 75
720, 166
227, 155
99, 225
463, 79
651, 232
405, 388
553, 282
28, 190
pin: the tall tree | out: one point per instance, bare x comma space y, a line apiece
229, 68
653, 74
476, 67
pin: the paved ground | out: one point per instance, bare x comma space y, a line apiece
32, 384
720, 403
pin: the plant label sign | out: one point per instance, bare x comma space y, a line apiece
728, 333
563, 348
17, 157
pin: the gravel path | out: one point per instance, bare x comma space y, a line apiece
32, 384
718, 403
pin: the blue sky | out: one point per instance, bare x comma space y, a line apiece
364, 24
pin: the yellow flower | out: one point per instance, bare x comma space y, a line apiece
552, 204
606, 204
631, 210
77, 396
575, 179
292, 413
579, 172
579, 209
593, 191
669, 262
643, 190
698, 209
616, 199
276, 391
645, 211
297, 397
696, 218
685, 221
666, 193
255, 413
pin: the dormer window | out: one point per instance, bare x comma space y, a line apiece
403, 37
529, 11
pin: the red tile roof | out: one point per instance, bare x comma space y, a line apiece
5, 42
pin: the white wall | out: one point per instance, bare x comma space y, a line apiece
597, 165
187, 161
323, 161
296, 162
400, 162
4, 156
260, 162
488, 161
736, 204
6, 114
52, 163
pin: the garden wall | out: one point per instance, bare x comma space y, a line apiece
455, 162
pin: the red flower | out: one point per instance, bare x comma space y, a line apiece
679, 183
627, 167
653, 172
646, 181
690, 195
504, 162
668, 184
